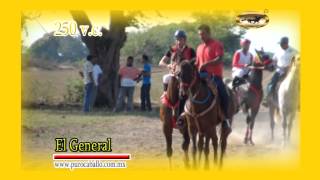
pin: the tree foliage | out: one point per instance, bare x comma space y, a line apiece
52, 48
156, 40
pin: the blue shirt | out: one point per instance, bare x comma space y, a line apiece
147, 68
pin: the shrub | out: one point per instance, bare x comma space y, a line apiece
75, 90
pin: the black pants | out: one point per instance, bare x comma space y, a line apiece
145, 97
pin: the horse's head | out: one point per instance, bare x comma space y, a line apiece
262, 59
295, 63
174, 82
294, 68
187, 75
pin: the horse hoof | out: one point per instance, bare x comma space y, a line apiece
245, 141
252, 143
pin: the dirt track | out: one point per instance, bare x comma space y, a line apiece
141, 135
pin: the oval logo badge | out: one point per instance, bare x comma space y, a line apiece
252, 19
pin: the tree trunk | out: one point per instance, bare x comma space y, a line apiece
107, 49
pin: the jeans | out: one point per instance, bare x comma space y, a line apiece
125, 92
87, 96
274, 80
145, 97
223, 95
93, 95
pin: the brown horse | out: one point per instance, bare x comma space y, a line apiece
168, 115
204, 113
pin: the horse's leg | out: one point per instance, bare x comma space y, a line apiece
206, 151
248, 121
167, 130
223, 144
185, 147
193, 134
254, 113
200, 145
290, 121
272, 122
215, 145
284, 127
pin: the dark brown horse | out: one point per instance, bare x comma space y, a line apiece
204, 113
169, 114
252, 95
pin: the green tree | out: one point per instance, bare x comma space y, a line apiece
155, 41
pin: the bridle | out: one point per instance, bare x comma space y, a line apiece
193, 81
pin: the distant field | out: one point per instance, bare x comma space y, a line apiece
39, 84
50, 85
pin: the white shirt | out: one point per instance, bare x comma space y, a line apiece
244, 58
96, 72
87, 68
283, 58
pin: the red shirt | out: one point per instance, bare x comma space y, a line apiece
129, 72
207, 52
187, 53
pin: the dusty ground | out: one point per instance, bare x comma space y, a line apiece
140, 134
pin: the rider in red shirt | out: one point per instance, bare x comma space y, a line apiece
209, 61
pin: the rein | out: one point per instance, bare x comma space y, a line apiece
204, 100
188, 111
187, 108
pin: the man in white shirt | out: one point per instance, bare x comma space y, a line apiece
86, 74
282, 60
97, 73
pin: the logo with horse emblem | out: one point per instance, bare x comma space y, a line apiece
252, 19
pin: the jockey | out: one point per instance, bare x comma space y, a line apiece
209, 62
242, 58
282, 61
177, 53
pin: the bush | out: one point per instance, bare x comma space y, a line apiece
75, 90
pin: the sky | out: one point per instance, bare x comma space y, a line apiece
282, 23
